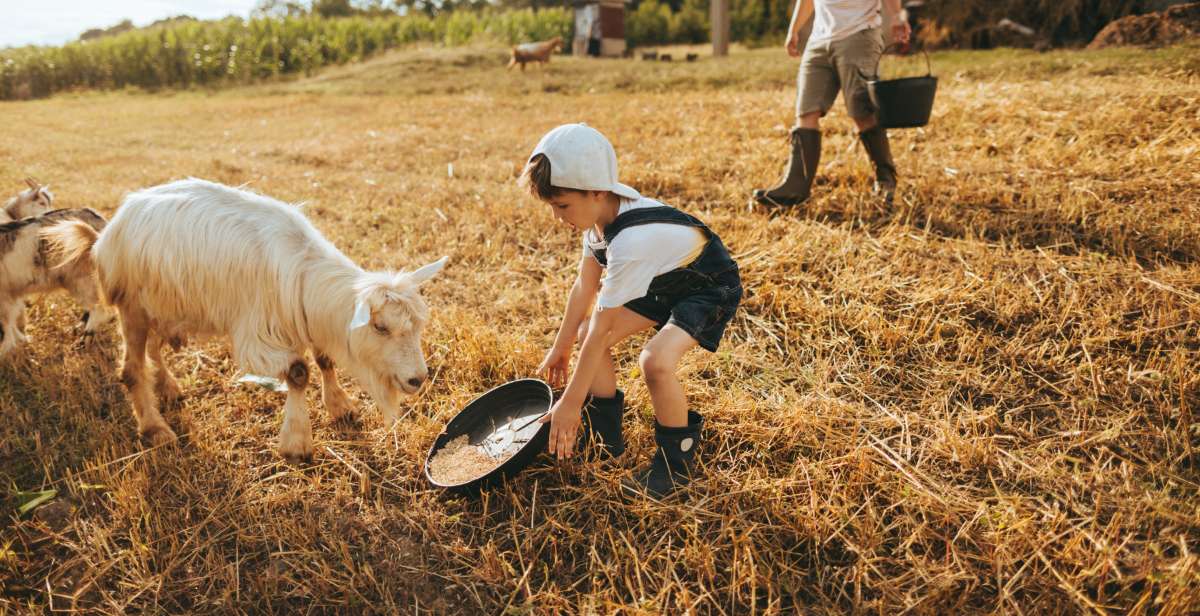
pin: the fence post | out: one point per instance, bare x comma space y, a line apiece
719, 16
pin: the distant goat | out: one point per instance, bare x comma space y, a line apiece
198, 258
25, 269
37, 200
534, 52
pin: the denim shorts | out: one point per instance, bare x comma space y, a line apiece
703, 314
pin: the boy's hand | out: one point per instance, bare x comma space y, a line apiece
793, 44
564, 421
555, 366
901, 33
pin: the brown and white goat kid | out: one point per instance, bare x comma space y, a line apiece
33, 202
195, 258
25, 269
534, 52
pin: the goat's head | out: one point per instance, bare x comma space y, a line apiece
385, 332
33, 202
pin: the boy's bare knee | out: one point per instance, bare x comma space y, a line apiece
809, 120
656, 367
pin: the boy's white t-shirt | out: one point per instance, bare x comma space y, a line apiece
641, 252
836, 19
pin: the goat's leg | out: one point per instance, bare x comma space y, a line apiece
22, 321
337, 402
166, 386
11, 312
139, 382
295, 439
83, 288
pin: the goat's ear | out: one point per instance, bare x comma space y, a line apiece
362, 314
428, 271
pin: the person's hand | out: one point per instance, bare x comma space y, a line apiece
793, 44
564, 419
901, 33
555, 366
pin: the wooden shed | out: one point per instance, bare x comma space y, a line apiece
599, 28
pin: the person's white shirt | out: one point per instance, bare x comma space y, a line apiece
641, 252
835, 20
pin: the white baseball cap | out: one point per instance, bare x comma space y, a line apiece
582, 159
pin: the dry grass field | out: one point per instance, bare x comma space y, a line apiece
981, 399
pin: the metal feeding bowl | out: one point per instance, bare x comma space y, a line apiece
503, 435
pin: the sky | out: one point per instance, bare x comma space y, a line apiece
54, 22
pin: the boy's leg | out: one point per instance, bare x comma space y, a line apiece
676, 430
606, 404
817, 87
659, 361
627, 323
858, 56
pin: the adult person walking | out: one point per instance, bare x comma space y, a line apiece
845, 44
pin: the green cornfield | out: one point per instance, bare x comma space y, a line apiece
205, 53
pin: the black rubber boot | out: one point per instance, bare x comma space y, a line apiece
802, 167
602, 426
875, 140
671, 468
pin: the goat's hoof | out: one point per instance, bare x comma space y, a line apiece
157, 436
341, 411
170, 394
299, 458
86, 341
296, 449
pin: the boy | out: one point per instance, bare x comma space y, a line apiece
661, 268
845, 45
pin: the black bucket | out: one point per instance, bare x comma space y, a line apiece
517, 405
902, 103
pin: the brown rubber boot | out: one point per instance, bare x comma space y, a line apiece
802, 167
875, 141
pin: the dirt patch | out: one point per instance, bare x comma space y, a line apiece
1173, 25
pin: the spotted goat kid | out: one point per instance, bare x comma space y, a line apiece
27, 266
35, 201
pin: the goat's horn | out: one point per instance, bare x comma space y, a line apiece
34, 184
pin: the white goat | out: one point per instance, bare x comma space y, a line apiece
33, 202
25, 269
198, 258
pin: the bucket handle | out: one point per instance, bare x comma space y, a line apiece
928, 66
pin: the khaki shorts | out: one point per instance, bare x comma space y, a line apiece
828, 66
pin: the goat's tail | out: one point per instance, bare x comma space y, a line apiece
72, 242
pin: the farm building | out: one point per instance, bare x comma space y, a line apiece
599, 28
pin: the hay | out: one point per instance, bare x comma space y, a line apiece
1178, 23
980, 400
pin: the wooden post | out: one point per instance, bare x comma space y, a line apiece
719, 16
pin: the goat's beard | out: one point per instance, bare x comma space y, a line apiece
381, 390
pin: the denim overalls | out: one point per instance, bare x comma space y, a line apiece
699, 298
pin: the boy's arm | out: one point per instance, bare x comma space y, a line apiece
557, 361
565, 416
901, 31
800, 16
583, 293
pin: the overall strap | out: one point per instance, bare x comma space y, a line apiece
652, 215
